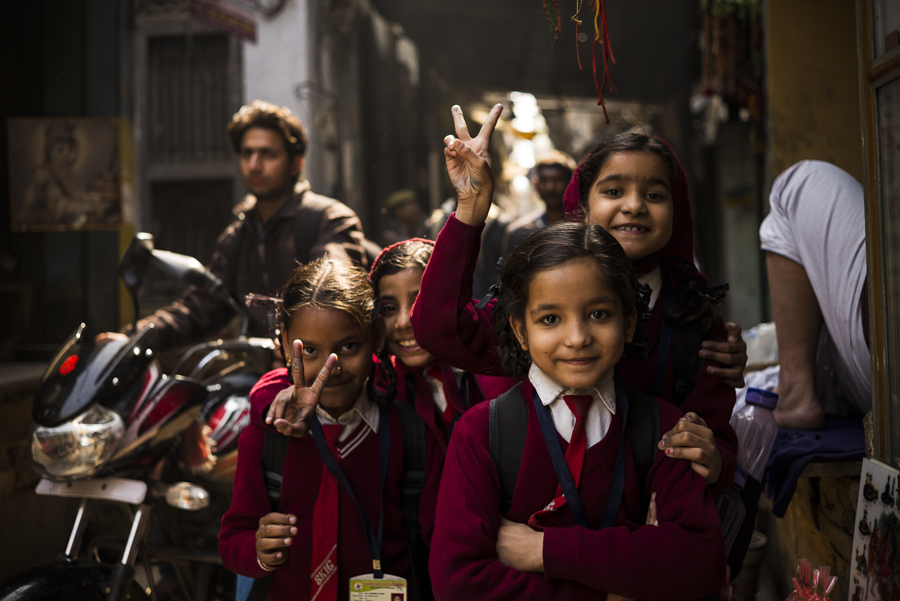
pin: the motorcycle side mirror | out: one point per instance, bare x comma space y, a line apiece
190, 270
193, 272
135, 260
132, 267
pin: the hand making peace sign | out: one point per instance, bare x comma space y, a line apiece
469, 166
295, 406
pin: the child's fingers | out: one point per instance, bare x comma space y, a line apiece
323, 376
470, 156
459, 121
651, 512
276, 531
487, 128
693, 418
272, 551
733, 332
297, 364
731, 376
274, 517
281, 404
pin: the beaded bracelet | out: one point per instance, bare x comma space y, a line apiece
265, 566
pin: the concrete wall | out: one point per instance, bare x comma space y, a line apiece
278, 62
813, 91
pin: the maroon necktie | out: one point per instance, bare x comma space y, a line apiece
325, 527
579, 405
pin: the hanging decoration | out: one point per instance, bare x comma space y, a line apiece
555, 27
601, 37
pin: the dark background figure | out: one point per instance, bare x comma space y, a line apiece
279, 223
550, 177
405, 218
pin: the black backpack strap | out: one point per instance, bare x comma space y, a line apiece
307, 224
507, 427
274, 454
414, 461
686, 338
644, 431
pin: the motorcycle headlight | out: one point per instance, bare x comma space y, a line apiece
78, 447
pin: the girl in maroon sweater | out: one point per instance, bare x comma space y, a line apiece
439, 393
328, 406
591, 538
634, 186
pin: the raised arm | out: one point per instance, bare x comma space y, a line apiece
444, 317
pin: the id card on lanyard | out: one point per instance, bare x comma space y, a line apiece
377, 585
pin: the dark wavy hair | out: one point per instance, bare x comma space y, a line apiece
335, 285
548, 248
269, 116
692, 301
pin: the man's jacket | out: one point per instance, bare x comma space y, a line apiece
251, 257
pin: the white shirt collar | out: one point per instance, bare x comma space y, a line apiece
549, 390
654, 280
363, 409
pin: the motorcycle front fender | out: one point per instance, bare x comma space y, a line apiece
64, 580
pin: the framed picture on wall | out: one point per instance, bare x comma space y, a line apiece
64, 173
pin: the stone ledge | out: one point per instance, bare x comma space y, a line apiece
19, 375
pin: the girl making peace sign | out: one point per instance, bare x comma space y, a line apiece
326, 530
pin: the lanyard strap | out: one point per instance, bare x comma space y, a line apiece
566, 483
384, 436
663, 349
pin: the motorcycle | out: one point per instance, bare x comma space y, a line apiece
154, 451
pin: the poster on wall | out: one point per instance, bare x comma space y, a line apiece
875, 558
64, 173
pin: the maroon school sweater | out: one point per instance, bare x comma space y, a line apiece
448, 325
302, 477
682, 558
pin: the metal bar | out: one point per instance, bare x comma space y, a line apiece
77, 530
141, 517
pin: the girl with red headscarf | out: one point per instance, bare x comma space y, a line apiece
634, 186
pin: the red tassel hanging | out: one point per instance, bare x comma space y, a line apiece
601, 35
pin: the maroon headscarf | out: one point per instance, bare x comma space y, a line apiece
679, 251
392, 247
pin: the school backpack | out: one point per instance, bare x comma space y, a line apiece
414, 457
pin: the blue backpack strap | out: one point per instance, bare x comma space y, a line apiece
507, 427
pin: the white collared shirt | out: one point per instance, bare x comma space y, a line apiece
600, 414
654, 280
363, 409
437, 388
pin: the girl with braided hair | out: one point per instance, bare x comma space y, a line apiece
327, 403
575, 524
